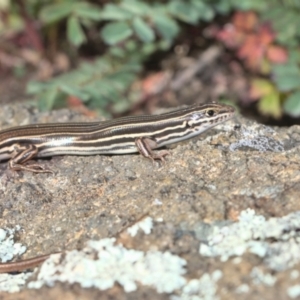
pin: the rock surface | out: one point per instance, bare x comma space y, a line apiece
197, 198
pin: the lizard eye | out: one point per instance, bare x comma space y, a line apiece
210, 113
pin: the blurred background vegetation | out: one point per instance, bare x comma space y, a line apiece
127, 56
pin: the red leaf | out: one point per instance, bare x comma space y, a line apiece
266, 34
74, 101
245, 21
155, 83
277, 54
230, 36
76, 104
252, 51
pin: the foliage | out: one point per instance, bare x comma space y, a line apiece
77, 15
264, 35
130, 28
269, 46
100, 83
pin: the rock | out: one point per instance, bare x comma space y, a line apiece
207, 182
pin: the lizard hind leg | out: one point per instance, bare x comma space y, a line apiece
146, 146
22, 156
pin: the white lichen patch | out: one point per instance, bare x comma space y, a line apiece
204, 288
103, 263
294, 274
146, 225
13, 283
261, 140
156, 201
8, 248
294, 291
242, 289
259, 277
276, 240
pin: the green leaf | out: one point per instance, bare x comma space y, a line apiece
115, 32
273, 13
48, 99
143, 30
285, 69
294, 56
164, 45
136, 7
286, 19
286, 27
287, 83
34, 87
56, 12
117, 51
87, 11
114, 12
184, 11
148, 49
286, 76
285, 22
131, 45
121, 105
71, 90
292, 104
251, 5
166, 26
75, 32
205, 11
270, 105
287, 36
223, 7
